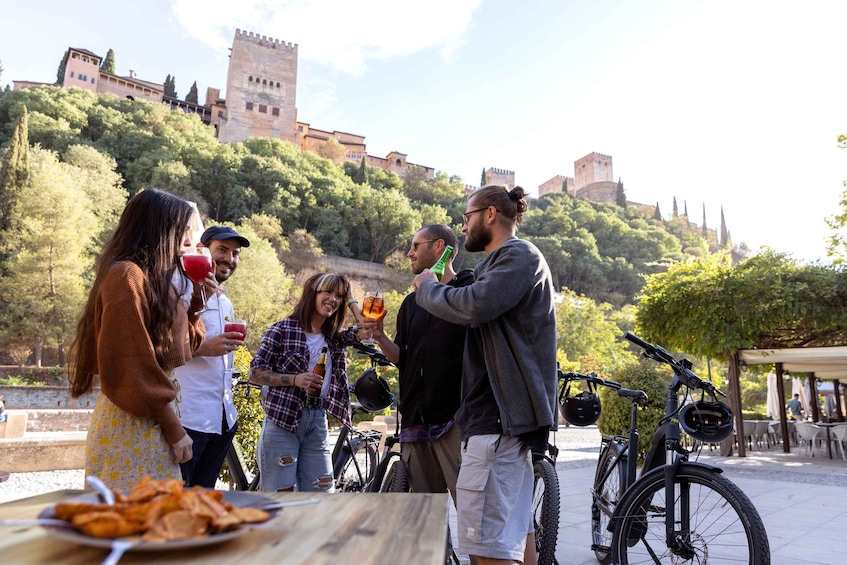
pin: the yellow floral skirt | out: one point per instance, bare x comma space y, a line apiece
122, 448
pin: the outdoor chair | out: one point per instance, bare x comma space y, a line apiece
809, 433
839, 432
760, 433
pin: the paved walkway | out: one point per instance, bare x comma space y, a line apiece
802, 500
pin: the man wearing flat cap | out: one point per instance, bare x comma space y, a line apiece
206, 408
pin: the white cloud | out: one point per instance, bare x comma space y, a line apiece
340, 34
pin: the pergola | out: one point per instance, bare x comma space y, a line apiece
819, 363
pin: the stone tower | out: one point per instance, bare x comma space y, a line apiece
594, 167
261, 88
500, 176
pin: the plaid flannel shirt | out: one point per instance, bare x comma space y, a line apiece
284, 350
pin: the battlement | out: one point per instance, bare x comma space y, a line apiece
500, 171
263, 40
594, 155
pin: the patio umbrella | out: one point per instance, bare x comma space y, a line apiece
774, 406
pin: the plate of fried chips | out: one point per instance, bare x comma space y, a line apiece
160, 515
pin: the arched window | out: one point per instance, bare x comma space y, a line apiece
277, 85
398, 163
264, 81
250, 79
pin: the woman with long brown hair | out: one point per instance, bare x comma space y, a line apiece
293, 449
133, 332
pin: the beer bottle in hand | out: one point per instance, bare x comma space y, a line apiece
320, 369
438, 268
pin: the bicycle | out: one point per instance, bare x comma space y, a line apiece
676, 511
355, 453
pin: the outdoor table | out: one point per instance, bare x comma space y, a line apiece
379, 528
827, 427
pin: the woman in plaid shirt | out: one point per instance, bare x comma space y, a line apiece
293, 450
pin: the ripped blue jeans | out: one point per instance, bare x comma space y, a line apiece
300, 460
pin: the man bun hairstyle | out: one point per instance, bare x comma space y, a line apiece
509, 203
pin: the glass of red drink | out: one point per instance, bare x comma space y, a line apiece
197, 265
239, 326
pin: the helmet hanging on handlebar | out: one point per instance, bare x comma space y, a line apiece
372, 391
709, 422
582, 409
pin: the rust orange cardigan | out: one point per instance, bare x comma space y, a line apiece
129, 374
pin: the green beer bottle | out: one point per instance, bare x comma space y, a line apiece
438, 268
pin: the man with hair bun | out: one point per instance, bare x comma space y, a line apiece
509, 375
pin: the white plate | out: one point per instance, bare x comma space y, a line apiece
239, 499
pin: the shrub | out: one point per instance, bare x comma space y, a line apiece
639, 375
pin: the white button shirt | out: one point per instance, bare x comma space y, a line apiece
205, 382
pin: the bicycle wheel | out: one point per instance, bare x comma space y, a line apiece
398, 481
545, 511
358, 468
234, 462
714, 521
384, 474
605, 497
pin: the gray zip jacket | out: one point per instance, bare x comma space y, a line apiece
511, 304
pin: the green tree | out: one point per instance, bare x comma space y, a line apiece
14, 177
108, 64
594, 346
675, 209
361, 176
724, 242
620, 195
657, 214
60, 73
170, 86
705, 228
45, 287
483, 180
192, 93
260, 289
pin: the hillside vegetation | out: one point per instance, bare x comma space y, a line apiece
87, 153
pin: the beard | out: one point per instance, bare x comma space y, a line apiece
477, 238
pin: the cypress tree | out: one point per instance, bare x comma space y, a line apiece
724, 232
192, 94
361, 176
108, 64
482, 178
705, 229
170, 86
60, 74
620, 196
675, 209
657, 215
14, 175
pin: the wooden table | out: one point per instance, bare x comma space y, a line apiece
343, 528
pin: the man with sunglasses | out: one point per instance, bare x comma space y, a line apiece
509, 377
429, 353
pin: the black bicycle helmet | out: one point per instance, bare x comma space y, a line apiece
709, 422
582, 409
372, 391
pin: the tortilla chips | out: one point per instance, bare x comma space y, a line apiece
159, 511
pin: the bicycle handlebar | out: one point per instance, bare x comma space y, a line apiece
590, 377
681, 367
377, 356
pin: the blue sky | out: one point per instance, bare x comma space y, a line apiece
716, 103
